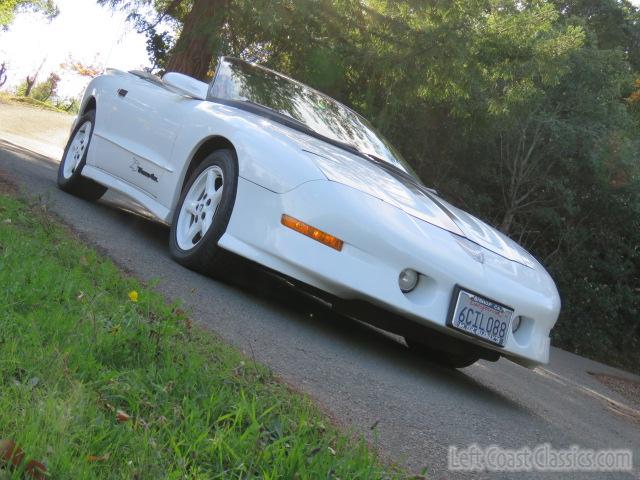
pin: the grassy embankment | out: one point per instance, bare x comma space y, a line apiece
96, 382
9, 98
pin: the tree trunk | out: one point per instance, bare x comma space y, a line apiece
30, 83
3, 74
195, 48
31, 80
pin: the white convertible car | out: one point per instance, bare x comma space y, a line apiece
271, 170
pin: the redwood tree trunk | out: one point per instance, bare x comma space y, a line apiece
195, 48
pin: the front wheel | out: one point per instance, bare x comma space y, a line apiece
442, 357
202, 214
70, 177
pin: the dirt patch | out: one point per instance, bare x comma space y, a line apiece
629, 389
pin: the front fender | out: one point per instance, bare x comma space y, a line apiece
268, 154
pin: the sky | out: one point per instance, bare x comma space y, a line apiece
83, 31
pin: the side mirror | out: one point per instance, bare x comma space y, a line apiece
185, 85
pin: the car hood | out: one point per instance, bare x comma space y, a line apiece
409, 194
488, 237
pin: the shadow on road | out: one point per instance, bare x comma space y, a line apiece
372, 344
262, 286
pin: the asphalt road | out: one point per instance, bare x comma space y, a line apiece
369, 382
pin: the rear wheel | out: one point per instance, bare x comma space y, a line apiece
202, 214
442, 357
70, 177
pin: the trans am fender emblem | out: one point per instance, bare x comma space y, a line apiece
135, 167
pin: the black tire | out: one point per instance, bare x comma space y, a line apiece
441, 357
76, 184
206, 256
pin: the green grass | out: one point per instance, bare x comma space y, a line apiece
74, 349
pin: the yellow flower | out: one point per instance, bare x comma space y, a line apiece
133, 296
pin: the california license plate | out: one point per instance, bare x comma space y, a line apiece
481, 317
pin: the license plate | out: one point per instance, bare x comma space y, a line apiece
481, 317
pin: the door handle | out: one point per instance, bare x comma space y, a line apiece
122, 92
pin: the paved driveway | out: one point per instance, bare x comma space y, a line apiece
366, 380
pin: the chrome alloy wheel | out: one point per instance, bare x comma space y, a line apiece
199, 207
76, 150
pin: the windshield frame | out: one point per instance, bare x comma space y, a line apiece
396, 160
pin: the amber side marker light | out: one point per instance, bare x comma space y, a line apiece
312, 232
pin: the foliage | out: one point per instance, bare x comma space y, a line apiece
43, 91
66, 107
9, 9
523, 112
82, 69
44, 95
99, 378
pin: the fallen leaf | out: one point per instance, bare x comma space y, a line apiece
10, 452
6, 448
331, 451
98, 458
35, 469
122, 417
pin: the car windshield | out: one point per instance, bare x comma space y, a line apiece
241, 81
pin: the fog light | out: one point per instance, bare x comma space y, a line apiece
408, 280
516, 324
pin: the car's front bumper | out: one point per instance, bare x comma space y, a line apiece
381, 241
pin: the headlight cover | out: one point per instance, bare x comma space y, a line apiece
368, 178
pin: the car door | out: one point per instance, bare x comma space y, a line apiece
141, 126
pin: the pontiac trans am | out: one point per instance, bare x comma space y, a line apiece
258, 165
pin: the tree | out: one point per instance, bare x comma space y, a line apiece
3, 74
523, 112
195, 48
611, 24
200, 24
9, 9
28, 85
25, 89
44, 91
